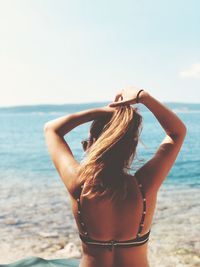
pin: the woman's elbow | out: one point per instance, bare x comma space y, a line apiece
184, 130
47, 126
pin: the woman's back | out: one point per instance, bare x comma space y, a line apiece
111, 149
105, 220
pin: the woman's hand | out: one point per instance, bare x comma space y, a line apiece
108, 110
128, 96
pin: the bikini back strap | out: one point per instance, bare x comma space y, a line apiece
84, 229
141, 225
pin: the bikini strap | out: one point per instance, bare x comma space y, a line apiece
141, 225
85, 232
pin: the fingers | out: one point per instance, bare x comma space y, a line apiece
114, 105
118, 96
119, 103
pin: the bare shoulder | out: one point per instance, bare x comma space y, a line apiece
141, 177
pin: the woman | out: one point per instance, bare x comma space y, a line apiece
112, 208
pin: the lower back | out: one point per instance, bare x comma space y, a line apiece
118, 257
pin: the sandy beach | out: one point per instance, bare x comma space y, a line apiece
37, 221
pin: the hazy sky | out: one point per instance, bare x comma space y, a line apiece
66, 51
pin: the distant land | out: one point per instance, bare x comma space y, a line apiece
80, 106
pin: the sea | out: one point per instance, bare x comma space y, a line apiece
35, 212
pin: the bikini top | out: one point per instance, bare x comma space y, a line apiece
138, 241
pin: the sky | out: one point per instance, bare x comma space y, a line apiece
75, 51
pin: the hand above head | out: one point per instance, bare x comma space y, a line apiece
128, 96
108, 110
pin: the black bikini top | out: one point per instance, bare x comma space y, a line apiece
139, 240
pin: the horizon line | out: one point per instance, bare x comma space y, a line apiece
78, 103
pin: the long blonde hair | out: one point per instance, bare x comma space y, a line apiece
109, 158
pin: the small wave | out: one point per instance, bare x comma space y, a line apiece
37, 113
185, 110
40, 113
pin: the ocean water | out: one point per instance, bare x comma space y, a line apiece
23, 150
35, 213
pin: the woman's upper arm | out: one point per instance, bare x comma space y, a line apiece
62, 157
156, 169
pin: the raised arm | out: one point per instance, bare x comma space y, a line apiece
156, 169
170, 122
58, 148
